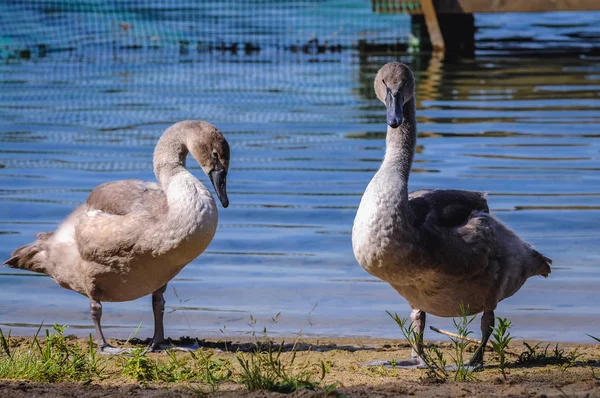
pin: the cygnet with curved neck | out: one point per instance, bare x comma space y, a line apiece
132, 237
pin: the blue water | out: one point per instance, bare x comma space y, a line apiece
307, 135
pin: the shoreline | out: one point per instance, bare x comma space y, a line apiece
346, 376
246, 336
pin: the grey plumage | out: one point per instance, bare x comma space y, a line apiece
440, 249
132, 237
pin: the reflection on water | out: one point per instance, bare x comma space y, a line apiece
306, 138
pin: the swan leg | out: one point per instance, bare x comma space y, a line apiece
158, 308
417, 318
415, 361
487, 325
158, 341
103, 346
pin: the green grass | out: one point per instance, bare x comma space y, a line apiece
194, 367
272, 370
58, 358
51, 360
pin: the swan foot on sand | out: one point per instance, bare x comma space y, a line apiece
159, 343
410, 363
416, 362
103, 346
417, 318
168, 346
468, 368
107, 349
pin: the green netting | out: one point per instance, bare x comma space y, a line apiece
94, 28
397, 6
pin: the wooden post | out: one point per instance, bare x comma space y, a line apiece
435, 34
451, 25
458, 32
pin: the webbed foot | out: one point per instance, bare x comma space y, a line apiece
411, 363
107, 349
163, 346
468, 367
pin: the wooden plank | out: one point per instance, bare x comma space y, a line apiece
435, 34
490, 6
485, 6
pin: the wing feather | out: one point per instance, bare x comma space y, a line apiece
128, 196
117, 214
455, 230
446, 207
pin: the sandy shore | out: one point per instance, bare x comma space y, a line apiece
344, 358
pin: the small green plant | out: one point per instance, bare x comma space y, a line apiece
437, 357
500, 339
331, 390
270, 369
537, 356
5, 343
382, 371
96, 364
223, 331
273, 371
595, 338
464, 372
432, 357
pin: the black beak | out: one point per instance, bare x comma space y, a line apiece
218, 177
394, 109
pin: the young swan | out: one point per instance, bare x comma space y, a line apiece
439, 249
132, 237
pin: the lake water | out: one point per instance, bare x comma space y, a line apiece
306, 135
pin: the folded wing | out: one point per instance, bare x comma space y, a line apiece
117, 214
456, 232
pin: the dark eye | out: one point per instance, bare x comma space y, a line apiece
215, 155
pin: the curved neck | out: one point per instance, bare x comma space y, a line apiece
186, 195
400, 149
400, 144
169, 156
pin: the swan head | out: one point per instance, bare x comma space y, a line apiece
211, 150
394, 86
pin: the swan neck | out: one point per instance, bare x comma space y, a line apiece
169, 157
400, 144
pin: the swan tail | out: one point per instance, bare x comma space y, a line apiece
542, 264
30, 257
